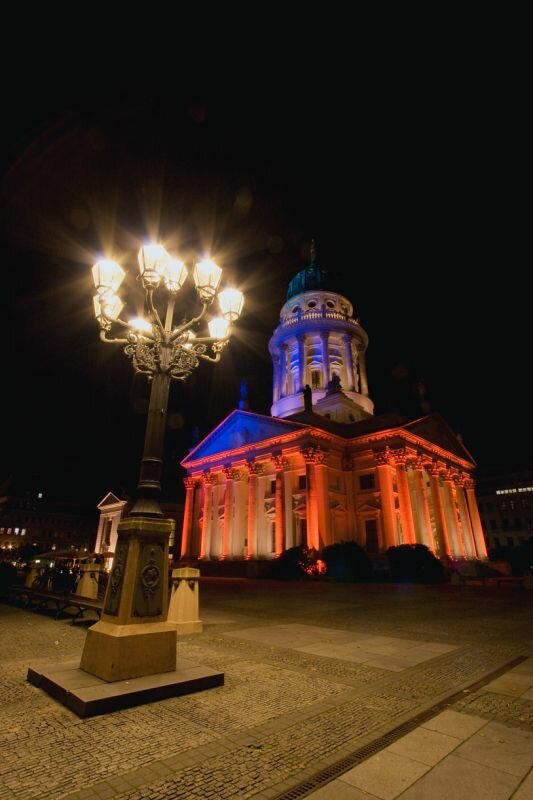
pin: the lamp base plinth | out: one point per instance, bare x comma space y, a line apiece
118, 652
87, 695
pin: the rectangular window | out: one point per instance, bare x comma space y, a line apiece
493, 524
496, 541
481, 506
367, 482
315, 379
273, 487
302, 482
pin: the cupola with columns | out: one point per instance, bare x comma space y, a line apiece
318, 343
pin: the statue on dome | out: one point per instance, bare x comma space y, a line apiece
334, 385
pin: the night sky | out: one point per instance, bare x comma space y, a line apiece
409, 168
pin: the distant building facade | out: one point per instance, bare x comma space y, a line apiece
112, 509
322, 468
506, 508
33, 518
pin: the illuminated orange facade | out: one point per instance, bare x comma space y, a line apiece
324, 469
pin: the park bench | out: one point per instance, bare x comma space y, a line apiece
41, 600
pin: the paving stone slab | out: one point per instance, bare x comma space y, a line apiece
458, 779
503, 748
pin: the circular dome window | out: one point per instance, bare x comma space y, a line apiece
330, 304
295, 309
311, 304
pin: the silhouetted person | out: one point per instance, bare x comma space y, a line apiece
308, 398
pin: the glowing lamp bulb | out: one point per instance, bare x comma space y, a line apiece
219, 328
175, 275
231, 302
206, 276
107, 276
140, 324
153, 263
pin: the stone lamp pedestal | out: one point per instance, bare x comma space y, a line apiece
130, 654
88, 585
183, 610
133, 637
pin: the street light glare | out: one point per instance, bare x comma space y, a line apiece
219, 328
153, 263
231, 302
207, 276
140, 324
175, 275
107, 276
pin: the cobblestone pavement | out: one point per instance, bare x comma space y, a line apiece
284, 713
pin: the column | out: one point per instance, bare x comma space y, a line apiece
324, 338
287, 504
386, 490
276, 390
228, 508
279, 464
322, 498
423, 519
450, 511
282, 371
362, 373
205, 545
466, 526
348, 362
239, 526
186, 533
251, 527
406, 509
438, 510
311, 510
301, 362
479, 539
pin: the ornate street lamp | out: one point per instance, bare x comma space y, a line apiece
161, 351
133, 638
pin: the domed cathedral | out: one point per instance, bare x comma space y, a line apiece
320, 345
323, 469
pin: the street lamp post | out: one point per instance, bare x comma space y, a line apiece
132, 638
159, 350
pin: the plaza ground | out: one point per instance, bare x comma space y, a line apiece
331, 691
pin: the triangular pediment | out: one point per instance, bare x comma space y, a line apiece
436, 430
240, 428
110, 500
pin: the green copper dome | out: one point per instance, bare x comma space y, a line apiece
310, 278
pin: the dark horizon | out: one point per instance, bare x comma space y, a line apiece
408, 171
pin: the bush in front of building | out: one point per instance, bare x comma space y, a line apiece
294, 564
346, 561
414, 563
8, 576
